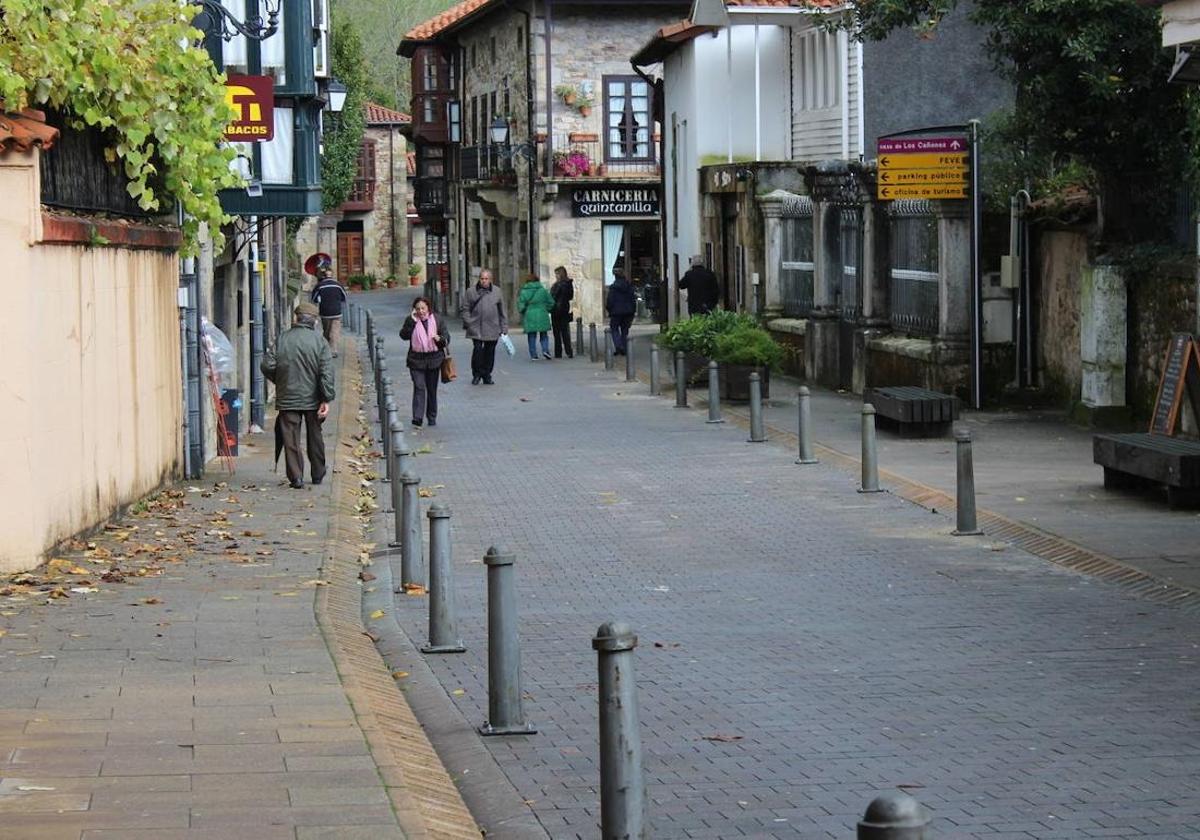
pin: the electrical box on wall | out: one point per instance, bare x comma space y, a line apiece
1010, 271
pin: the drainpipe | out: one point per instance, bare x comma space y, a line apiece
663, 291
392, 201
258, 398
531, 230
548, 163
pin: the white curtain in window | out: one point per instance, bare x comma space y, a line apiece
277, 158
233, 51
614, 235
274, 61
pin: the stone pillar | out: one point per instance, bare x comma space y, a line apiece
874, 277
771, 205
1102, 327
951, 362
821, 338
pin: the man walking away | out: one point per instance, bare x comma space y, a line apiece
563, 292
701, 286
329, 296
302, 370
482, 311
621, 304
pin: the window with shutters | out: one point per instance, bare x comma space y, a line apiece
816, 65
627, 119
362, 192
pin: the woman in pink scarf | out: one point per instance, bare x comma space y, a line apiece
427, 340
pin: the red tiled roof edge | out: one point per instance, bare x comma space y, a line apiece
22, 131
379, 115
440, 22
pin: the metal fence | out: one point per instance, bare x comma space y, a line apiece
76, 176
584, 156
850, 247
489, 162
914, 267
796, 267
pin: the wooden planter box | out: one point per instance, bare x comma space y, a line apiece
735, 382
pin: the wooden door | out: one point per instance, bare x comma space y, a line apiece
350, 256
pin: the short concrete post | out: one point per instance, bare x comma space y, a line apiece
393, 420
966, 521
758, 433
396, 436
894, 816
579, 336
870, 461
805, 428
443, 626
714, 393
504, 649
630, 366
680, 380
410, 543
608, 348
655, 387
622, 786
593, 347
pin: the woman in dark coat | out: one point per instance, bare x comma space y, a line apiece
563, 291
428, 339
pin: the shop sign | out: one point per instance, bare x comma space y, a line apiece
614, 201
252, 99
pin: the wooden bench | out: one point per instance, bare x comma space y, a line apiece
1139, 460
914, 410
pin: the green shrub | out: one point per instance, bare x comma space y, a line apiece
748, 345
362, 281
699, 334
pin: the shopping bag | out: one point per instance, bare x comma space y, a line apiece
508, 345
449, 374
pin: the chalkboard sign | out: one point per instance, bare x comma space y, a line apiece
1180, 371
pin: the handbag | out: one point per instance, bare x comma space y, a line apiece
449, 374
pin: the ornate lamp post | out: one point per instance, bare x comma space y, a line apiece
214, 19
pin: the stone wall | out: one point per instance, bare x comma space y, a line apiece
1058, 260
1162, 301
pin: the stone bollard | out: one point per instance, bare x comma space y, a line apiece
622, 786
714, 393
593, 347
578, 335
608, 348
680, 380
402, 463
443, 626
393, 420
966, 521
410, 541
504, 650
758, 433
870, 461
630, 367
804, 429
894, 816
655, 387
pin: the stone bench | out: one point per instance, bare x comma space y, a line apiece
1140, 460
913, 410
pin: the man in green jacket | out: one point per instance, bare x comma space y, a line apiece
302, 370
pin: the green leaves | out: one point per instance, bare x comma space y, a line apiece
119, 65
343, 134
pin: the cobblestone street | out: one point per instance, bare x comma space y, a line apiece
802, 647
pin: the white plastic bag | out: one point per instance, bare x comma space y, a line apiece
508, 345
220, 353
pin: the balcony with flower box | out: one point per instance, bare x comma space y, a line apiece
580, 156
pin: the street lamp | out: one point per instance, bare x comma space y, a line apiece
498, 131
220, 21
337, 96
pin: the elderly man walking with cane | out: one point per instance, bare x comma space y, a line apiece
302, 370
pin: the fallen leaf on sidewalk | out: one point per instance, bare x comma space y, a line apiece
84, 590
724, 739
150, 601
459, 692
378, 614
315, 582
666, 644
399, 675
33, 788
366, 576
374, 637
414, 589
426, 493
287, 594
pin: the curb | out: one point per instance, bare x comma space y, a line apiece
423, 797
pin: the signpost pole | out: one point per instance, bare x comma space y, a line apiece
976, 272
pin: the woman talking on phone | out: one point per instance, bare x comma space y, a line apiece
427, 340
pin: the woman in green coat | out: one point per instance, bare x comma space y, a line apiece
535, 303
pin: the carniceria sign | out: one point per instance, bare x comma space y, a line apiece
614, 201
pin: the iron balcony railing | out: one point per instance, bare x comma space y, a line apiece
488, 162
587, 156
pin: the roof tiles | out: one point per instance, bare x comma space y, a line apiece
379, 115
439, 23
25, 130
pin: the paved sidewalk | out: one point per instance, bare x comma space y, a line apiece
803, 647
180, 687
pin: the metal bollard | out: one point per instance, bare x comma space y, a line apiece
965, 501
655, 388
630, 366
443, 626
579, 335
804, 430
396, 438
758, 433
593, 347
410, 542
393, 420
504, 650
371, 338
714, 393
870, 461
894, 816
608, 348
680, 380
622, 786
381, 371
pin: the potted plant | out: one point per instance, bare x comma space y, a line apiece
390, 281
572, 164
414, 274
361, 281
697, 337
584, 104
744, 350
566, 93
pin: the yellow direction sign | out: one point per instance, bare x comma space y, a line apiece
888, 192
925, 160
897, 177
